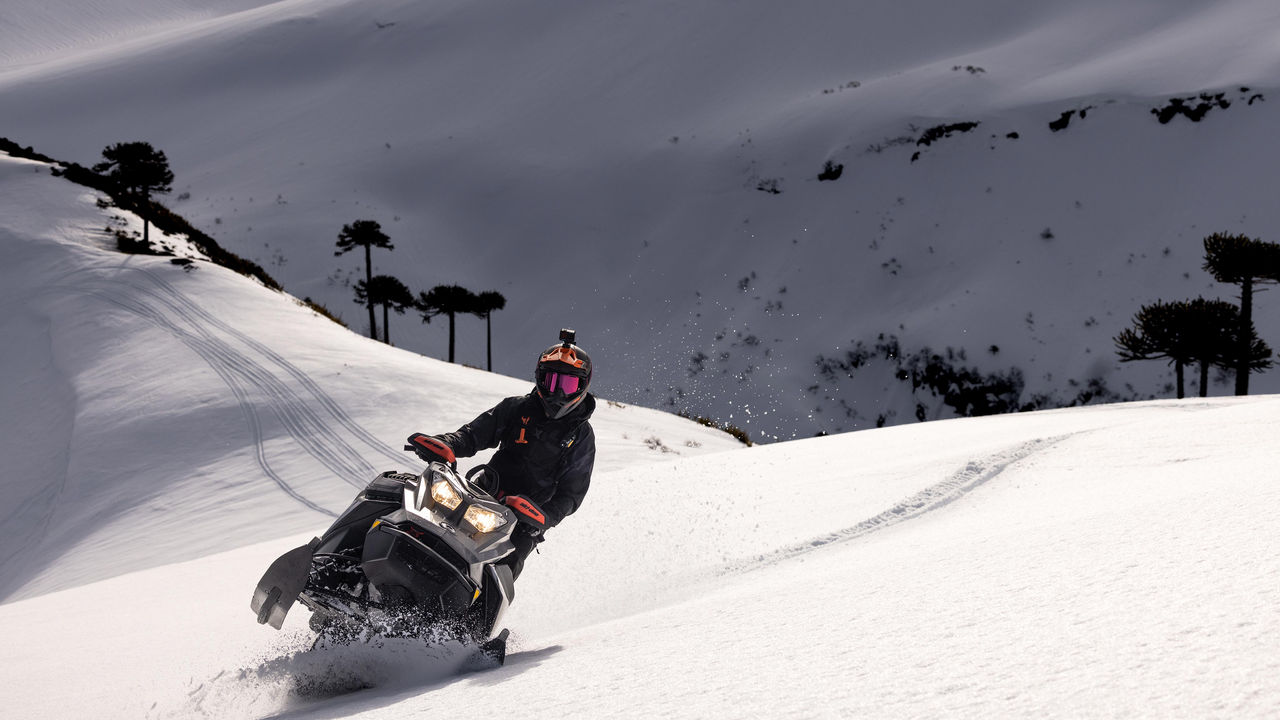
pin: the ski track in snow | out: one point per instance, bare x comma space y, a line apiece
973, 475
44, 511
325, 400
232, 379
303, 423
244, 376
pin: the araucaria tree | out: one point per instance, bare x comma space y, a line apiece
388, 292
449, 300
138, 172
1246, 262
1155, 335
486, 304
1196, 331
368, 235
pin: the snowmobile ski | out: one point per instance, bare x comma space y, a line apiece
495, 650
281, 584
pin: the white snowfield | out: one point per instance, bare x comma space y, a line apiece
166, 434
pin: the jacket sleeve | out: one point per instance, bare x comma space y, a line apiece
574, 478
482, 433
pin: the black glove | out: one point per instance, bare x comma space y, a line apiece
528, 530
432, 449
528, 513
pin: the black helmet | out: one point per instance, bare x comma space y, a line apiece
563, 375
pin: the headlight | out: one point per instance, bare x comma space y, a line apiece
443, 493
484, 519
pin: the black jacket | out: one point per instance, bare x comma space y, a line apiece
548, 461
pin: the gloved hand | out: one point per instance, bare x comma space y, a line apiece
527, 512
528, 530
432, 449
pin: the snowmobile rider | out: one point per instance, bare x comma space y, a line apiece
546, 447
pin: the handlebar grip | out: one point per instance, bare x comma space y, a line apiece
526, 510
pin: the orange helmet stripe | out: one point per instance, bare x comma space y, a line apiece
565, 355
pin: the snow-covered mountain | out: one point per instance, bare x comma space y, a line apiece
168, 431
168, 428
156, 411
649, 173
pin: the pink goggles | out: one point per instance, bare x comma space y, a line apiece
568, 384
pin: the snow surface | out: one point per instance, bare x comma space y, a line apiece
1111, 561
601, 165
138, 385
166, 433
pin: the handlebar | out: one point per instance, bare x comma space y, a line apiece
422, 444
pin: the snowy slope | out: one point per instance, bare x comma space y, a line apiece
601, 165
1099, 562
165, 431
155, 412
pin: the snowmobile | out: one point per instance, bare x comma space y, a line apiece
414, 555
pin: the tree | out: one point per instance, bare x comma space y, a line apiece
1211, 328
388, 292
1155, 335
1242, 261
138, 171
1186, 332
447, 300
485, 305
368, 235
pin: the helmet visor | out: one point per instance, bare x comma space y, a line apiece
553, 381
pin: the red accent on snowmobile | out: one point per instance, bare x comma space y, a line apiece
435, 446
525, 507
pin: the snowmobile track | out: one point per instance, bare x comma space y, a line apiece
325, 400
973, 475
318, 427
233, 382
302, 422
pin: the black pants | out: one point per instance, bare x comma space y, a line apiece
525, 545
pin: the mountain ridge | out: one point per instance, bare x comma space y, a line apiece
603, 168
